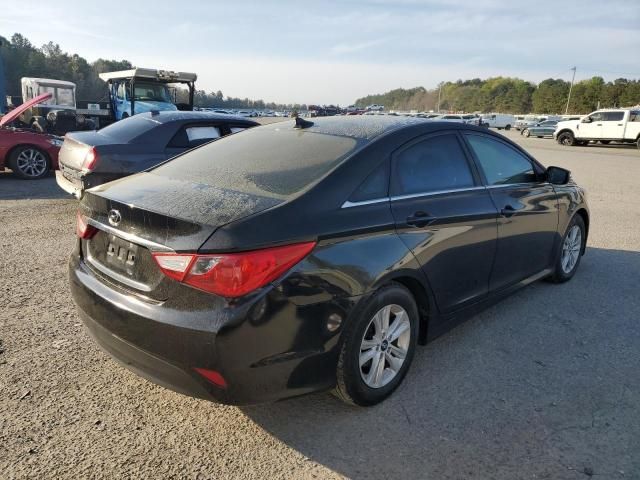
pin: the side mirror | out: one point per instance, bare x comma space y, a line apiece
586, 120
558, 175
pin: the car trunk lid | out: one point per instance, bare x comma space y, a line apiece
76, 146
145, 213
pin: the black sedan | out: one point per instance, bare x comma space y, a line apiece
316, 255
135, 144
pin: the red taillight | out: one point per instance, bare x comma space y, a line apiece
83, 229
232, 274
90, 159
213, 376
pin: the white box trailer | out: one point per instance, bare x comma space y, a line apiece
499, 120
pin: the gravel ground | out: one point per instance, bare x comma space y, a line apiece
543, 385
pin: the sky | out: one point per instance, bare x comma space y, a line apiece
321, 52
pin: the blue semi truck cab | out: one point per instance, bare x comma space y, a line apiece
141, 90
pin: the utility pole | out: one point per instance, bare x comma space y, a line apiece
439, 89
566, 110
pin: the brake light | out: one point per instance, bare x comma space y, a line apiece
213, 376
232, 275
90, 159
83, 229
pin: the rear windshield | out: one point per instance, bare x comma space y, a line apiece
129, 128
267, 161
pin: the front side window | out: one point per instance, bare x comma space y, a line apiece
596, 117
435, 164
65, 97
237, 129
634, 116
502, 165
613, 116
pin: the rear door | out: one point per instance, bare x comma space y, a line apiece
613, 125
445, 217
191, 136
527, 206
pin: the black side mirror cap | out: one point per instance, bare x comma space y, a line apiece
558, 175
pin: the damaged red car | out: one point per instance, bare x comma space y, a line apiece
29, 154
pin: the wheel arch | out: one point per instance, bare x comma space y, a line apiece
11, 151
421, 293
585, 218
565, 130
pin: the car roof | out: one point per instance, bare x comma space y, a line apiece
179, 116
354, 126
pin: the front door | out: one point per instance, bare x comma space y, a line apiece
445, 217
527, 206
591, 126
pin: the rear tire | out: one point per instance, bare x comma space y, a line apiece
571, 250
29, 163
378, 346
508, 127
605, 142
567, 139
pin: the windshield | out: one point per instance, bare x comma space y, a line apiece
152, 92
62, 96
265, 161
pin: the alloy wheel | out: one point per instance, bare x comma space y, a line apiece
571, 249
384, 346
31, 162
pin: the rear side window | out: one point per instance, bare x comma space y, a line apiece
501, 164
435, 164
375, 186
237, 129
613, 116
194, 135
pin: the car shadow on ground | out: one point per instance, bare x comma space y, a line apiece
544, 383
13, 188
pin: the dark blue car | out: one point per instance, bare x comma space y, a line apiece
88, 159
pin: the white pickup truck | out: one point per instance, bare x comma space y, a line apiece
605, 126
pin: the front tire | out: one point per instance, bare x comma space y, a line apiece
567, 139
526, 132
29, 163
508, 127
378, 347
571, 250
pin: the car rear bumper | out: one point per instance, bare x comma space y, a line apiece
165, 347
67, 186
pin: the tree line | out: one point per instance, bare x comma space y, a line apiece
22, 59
512, 95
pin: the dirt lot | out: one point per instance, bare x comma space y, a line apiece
544, 385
